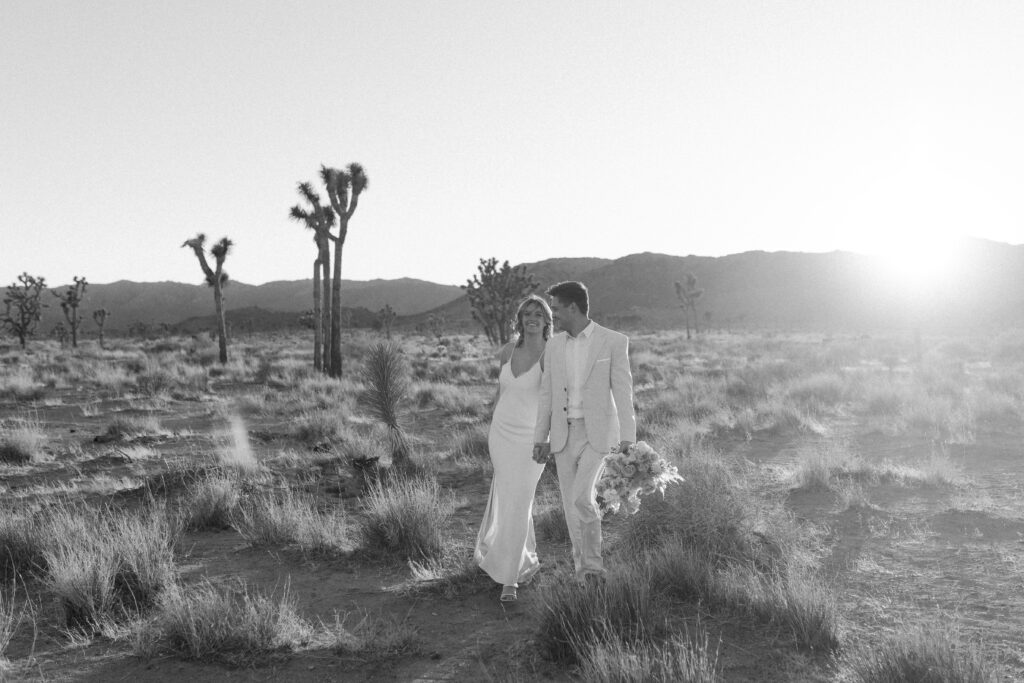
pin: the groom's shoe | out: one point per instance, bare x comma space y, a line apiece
508, 594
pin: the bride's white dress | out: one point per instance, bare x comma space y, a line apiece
505, 547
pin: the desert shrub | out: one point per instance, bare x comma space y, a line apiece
934, 653
234, 625
714, 511
454, 575
795, 601
128, 428
407, 516
449, 398
19, 385
210, 502
995, 408
470, 443
112, 378
678, 660
374, 638
940, 418
104, 566
21, 442
288, 518
819, 392
318, 427
819, 467
22, 540
622, 608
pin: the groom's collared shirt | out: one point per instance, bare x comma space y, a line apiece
576, 351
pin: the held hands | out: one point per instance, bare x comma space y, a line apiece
541, 452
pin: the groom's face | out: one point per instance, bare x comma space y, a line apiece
561, 314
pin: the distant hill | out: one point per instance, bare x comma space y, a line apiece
153, 303
756, 289
788, 290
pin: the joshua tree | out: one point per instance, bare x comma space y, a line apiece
494, 294
688, 294
344, 188
386, 317
320, 220
100, 316
216, 279
22, 307
387, 384
69, 301
60, 333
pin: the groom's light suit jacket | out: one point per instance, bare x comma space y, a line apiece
607, 390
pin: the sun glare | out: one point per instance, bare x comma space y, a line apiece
917, 261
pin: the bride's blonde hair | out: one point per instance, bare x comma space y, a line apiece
545, 310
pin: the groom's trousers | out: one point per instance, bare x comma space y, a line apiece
579, 467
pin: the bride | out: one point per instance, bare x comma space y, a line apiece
505, 546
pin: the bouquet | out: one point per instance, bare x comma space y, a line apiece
637, 471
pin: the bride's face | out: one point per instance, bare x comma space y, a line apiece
532, 319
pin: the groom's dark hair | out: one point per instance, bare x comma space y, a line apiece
572, 292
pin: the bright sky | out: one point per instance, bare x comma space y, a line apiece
522, 130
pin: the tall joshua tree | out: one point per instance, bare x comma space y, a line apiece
214, 278
688, 292
100, 316
70, 298
344, 188
386, 317
320, 220
22, 307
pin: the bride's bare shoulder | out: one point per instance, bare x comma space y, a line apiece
505, 352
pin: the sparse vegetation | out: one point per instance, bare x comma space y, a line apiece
819, 476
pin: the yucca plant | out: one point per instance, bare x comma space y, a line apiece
386, 377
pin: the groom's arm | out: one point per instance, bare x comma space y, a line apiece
622, 390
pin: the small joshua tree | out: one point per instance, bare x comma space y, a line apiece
386, 317
688, 292
494, 294
386, 377
100, 316
70, 299
344, 188
216, 279
22, 307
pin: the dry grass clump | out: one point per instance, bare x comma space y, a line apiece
923, 653
128, 428
678, 660
319, 427
210, 502
623, 608
10, 619
470, 444
20, 385
820, 392
406, 516
22, 539
233, 625
454, 575
834, 466
451, 399
374, 638
287, 518
103, 566
715, 511
21, 442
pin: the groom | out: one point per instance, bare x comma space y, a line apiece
586, 409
